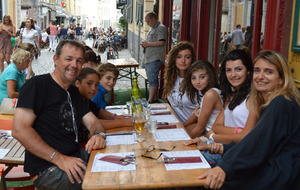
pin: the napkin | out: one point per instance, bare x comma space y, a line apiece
166, 126
161, 113
115, 159
177, 160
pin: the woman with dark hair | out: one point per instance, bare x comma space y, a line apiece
180, 59
29, 35
7, 30
238, 117
201, 80
269, 156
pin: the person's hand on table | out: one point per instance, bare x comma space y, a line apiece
201, 145
209, 133
214, 178
94, 143
74, 167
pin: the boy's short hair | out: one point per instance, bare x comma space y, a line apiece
103, 68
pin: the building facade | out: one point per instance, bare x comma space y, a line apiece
273, 26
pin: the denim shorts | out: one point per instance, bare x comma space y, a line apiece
54, 178
212, 159
152, 71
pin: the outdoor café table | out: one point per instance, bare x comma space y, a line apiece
128, 66
13, 158
149, 173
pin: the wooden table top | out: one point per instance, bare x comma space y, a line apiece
121, 63
148, 174
15, 155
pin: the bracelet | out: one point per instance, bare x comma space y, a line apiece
215, 148
211, 137
52, 155
101, 133
212, 147
237, 130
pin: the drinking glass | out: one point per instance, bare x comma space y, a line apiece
129, 107
138, 124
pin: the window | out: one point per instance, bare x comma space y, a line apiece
139, 12
129, 11
176, 18
296, 31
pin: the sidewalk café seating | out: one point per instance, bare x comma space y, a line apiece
16, 177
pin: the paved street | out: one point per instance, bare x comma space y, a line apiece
44, 64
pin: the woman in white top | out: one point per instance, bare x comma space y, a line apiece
201, 79
179, 60
28, 34
238, 117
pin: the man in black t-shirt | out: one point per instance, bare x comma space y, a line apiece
47, 122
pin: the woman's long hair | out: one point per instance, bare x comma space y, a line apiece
9, 20
186, 85
233, 97
287, 88
171, 71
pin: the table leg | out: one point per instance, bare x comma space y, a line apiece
3, 174
146, 88
130, 73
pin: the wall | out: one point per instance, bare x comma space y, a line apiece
293, 57
137, 33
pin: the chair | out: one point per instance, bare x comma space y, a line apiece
17, 179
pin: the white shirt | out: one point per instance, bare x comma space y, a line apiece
28, 36
236, 117
213, 116
181, 104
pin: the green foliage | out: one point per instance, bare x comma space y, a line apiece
122, 22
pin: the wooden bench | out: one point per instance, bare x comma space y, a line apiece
142, 73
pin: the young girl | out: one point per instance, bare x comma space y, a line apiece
87, 83
180, 59
201, 80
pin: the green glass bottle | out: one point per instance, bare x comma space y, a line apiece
135, 91
136, 96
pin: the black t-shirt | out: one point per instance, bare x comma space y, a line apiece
54, 122
84, 134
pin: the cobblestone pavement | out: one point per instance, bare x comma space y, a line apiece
44, 64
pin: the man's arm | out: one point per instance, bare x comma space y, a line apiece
93, 124
22, 130
153, 44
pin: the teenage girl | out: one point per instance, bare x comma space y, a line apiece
201, 81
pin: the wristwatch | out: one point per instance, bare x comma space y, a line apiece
101, 133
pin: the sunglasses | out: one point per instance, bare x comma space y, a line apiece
152, 148
73, 117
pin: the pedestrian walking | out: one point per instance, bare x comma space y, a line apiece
7, 30
52, 36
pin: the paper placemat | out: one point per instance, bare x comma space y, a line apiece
103, 166
186, 166
120, 139
171, 135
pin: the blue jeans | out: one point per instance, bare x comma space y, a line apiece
54, 178
212, 159
152, 71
